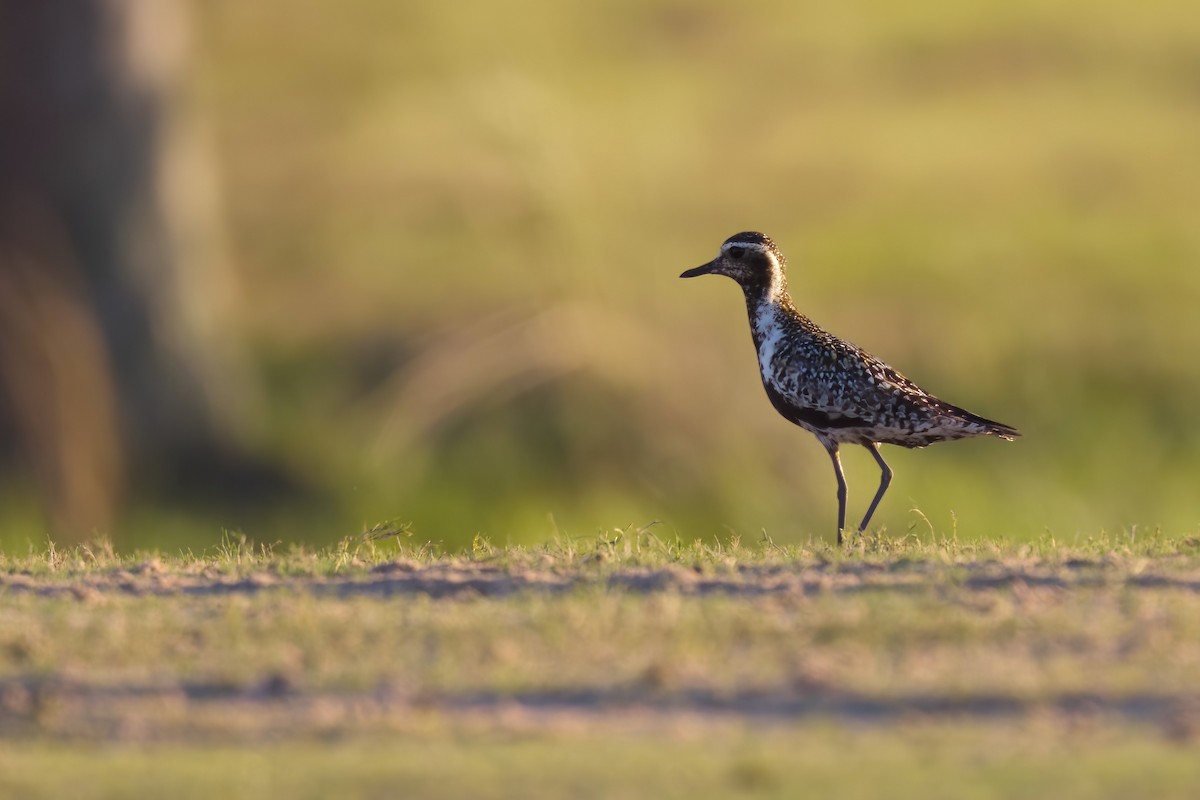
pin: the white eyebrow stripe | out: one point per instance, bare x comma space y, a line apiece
762, 248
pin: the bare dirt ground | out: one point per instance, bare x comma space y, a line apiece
465, 577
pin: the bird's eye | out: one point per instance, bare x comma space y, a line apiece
737, 252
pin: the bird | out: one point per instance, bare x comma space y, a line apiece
835, 390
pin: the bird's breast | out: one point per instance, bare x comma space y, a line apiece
794, 363
777, 355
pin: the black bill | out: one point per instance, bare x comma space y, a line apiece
703, 269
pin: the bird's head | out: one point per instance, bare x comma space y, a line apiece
752, 260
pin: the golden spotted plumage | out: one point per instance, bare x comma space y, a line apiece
828, 386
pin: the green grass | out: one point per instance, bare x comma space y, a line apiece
457, 231
627, 664
953, 762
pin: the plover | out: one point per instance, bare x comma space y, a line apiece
837, 391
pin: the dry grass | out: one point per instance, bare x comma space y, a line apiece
626, 621
748, 668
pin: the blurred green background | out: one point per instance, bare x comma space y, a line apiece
456, 229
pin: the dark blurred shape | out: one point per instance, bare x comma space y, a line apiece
114, 359
54, 370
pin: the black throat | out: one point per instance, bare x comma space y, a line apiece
756, 281
758, 291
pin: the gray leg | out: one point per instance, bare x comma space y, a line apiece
884, 479
841, 494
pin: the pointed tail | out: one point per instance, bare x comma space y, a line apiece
991, 427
